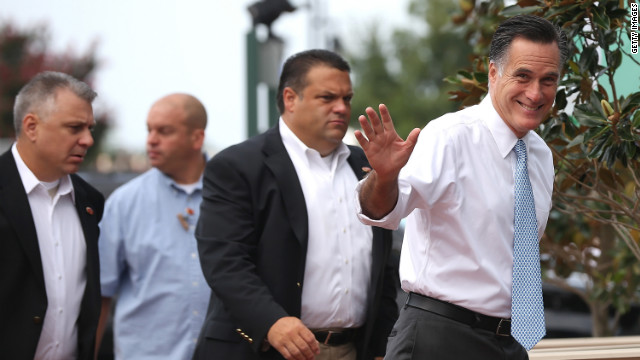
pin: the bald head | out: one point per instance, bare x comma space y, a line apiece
192, 109
176, 124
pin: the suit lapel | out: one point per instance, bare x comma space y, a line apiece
358, 162
87, 213
278, 161
14, 203
89, 217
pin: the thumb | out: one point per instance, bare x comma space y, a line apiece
412, 139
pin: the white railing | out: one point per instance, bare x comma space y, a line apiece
605, 348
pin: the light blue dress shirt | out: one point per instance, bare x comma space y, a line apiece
149, 262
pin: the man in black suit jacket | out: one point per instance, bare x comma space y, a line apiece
266, 220
49, 225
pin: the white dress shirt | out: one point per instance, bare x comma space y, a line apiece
457, 191
338, 265
63, 254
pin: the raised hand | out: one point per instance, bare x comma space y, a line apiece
387, 154
386, 151
293, 339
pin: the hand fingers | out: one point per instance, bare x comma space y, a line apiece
364, 143
366, 127
292, 339
306, 343
300, 349
311, 341
412, 139
386, 122
376, 124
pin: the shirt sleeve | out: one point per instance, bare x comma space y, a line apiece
111, 247
390, 221
426, 179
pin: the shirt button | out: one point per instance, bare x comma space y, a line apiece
194, 255
196, 313
195, 283
346, 291
344, 230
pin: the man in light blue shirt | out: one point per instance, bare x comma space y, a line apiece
148, 253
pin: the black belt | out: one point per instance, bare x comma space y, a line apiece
335, 338
496, 325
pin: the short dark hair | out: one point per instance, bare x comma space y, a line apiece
529, 27
39, 94
295, 69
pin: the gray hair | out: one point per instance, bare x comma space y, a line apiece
529, 27
39, 95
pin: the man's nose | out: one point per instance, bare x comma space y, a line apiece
86, 139
342, 106
534, 92
152, 137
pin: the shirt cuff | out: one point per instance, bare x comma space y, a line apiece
390, 221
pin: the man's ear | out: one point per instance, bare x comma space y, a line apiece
30, 125
289, 98
197, 138
493, 72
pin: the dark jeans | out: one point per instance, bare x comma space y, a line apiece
421, 335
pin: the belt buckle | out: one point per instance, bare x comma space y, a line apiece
507, 328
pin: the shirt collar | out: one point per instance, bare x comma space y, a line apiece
30, 181
169, 182
295, 146
504, 138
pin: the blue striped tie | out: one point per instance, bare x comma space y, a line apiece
527, 309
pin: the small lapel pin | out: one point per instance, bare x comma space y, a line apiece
89, 210
366, 169
183, 222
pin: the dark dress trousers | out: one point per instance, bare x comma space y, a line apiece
252, 240
23, 298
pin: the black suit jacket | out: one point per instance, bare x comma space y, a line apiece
23, 298
252, 239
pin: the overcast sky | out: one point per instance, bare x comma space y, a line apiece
149, 48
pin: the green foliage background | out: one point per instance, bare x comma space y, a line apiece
408, 73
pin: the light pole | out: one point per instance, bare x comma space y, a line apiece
263, 60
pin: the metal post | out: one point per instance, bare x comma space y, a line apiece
274, 113
252, 83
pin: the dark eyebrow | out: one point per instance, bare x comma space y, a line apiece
331, 93
522, 70
527, 71
554, 74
